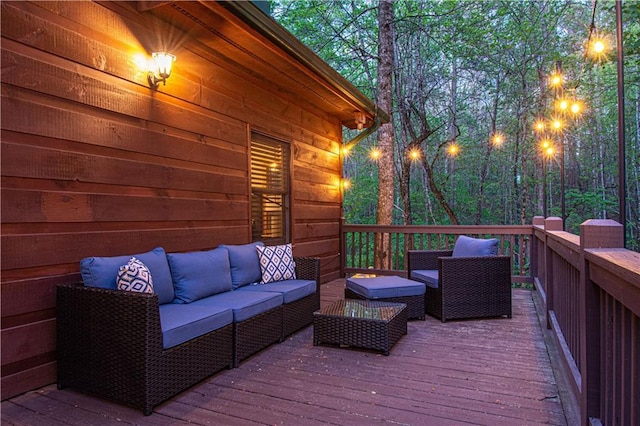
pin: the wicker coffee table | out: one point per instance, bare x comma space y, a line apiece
360, 323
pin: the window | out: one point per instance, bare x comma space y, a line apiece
269, 190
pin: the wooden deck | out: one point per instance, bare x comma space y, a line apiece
493, 372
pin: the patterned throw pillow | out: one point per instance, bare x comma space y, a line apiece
135, 276
276, 263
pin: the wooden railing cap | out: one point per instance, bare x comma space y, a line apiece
553, 224
601, 233
538, 220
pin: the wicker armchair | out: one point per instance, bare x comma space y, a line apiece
468, 287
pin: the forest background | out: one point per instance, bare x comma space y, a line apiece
474, 76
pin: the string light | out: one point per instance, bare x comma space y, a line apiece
539, 126
415, 154
545, 143
375, 154
549, 152
497, 139
555, 80
562, 105
453, 149
557, 124
598, 46
546, 146
576, 107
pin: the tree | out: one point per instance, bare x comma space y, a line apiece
386, 131
465, 70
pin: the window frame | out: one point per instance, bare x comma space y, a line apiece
269, 197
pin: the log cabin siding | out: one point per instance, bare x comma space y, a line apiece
94, 162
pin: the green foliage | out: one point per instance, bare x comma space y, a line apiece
475, 67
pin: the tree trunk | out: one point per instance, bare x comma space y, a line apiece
385, 133
485, 162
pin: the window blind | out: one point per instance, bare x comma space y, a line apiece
270, 188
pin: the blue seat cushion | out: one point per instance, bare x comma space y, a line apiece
473, 247
291, 290
199, 274
181, 323
103, 272
244, 262
385, 287
428, 276
244, 304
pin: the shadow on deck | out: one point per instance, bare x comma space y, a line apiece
494, 372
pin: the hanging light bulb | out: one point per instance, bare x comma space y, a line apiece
415, 154
557, 124
375, 154
549, 152
562, 105
547, 148
453, 149
577, 107
497, 139
539, 126
598, 46
555, 80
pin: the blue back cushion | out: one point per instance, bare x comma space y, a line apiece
244, 262
103, 272
199, 274
472, 247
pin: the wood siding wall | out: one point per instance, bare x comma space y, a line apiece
94, 162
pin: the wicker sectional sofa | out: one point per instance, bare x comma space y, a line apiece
206, 313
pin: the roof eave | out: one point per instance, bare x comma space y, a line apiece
277, 34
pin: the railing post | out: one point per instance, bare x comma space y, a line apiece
550, 224
594, 233
533, 255
343, 248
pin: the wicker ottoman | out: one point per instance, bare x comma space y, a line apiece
389, 289
360, 323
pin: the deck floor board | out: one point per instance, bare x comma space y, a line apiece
492, 371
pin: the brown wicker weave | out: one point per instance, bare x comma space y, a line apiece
256, 333
469, 287
360, 323
110, 345
299, 314
415, 304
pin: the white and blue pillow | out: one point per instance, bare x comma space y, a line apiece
276, 263
134, 276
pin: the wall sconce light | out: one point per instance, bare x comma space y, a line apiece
162, 63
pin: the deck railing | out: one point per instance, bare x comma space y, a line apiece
359, 243
588, 285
